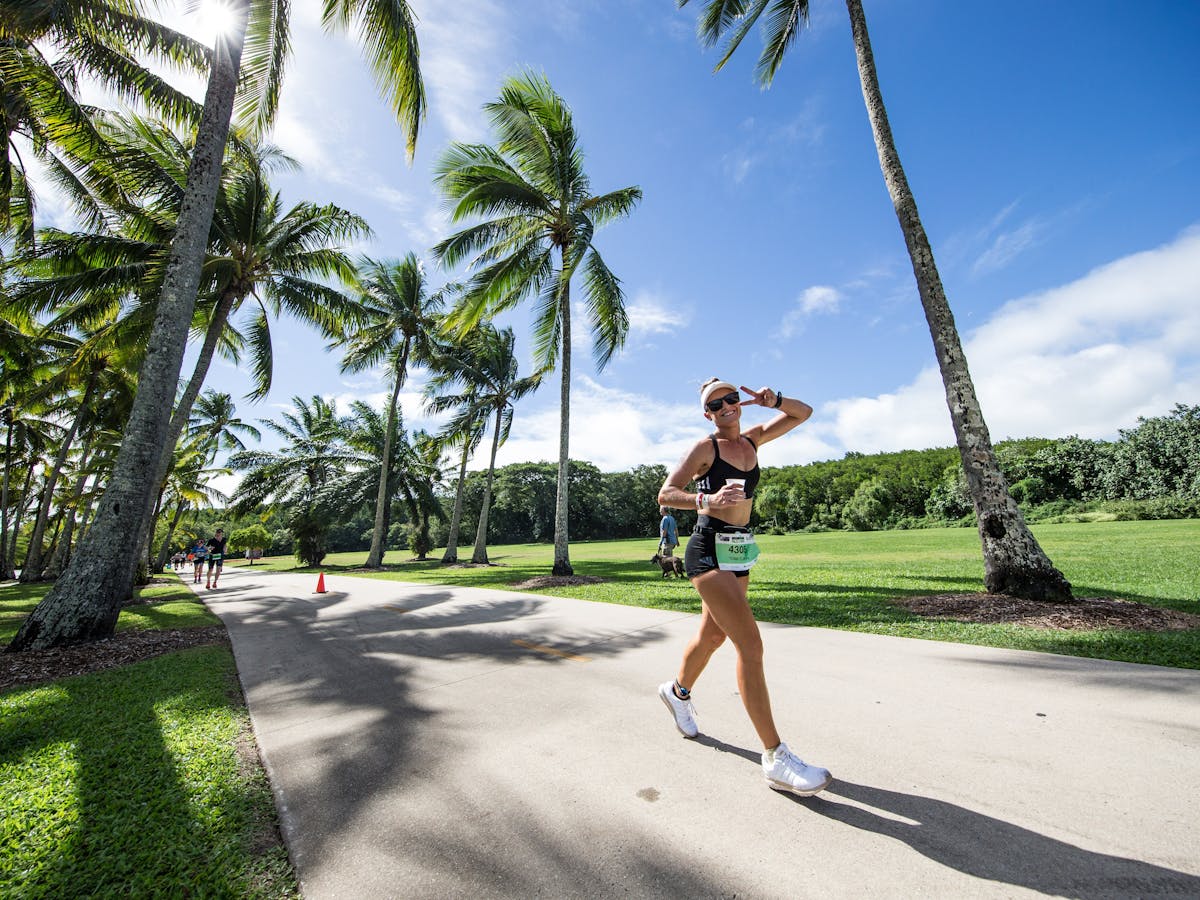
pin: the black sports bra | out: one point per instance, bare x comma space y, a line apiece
721, 471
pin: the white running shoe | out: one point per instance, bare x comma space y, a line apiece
785, 771
682, 710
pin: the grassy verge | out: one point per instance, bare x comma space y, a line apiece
163, 604
844, 580
136, 781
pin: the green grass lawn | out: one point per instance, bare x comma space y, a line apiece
845, 579
128, 782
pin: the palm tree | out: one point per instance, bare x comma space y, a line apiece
23, 369
297, 475
422, 469
85, 601
188, 488
401, 318
85, 374
214, 422
257, 251
484, 367
38, 96
1014, 562
536, 200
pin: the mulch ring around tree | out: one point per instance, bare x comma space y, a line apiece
548, 581
123, 648
1082, 614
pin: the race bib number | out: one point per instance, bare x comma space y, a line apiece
736, 551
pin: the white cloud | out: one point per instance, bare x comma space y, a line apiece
814, 300
739, 163
613, 429
1087, 358
650, 313
462, 58
1006, 247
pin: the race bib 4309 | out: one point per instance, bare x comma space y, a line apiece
736, 551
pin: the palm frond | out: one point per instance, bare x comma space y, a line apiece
785, 20
264, 57
388, 36
605, 305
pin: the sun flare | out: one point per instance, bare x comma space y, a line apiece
218, 18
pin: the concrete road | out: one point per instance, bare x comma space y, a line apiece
425, 741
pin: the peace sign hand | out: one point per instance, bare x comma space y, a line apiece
762, 397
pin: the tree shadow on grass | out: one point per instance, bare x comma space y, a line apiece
127, 818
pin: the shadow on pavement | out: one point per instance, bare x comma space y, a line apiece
990, 848
350, 727
986, 847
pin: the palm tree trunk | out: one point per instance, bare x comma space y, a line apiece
451, 554
20, 514
183, 411
148, 551
562, 561
84, 603
480, 554
6, 563
32, 570
379, 533
1014, 563
62, 551
165, 549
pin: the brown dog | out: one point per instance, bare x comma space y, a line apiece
671, 565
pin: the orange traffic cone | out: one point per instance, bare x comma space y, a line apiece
321, 583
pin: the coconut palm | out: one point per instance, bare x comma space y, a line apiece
539, 221
45, 50
23, 368
484, 369
297, 476
214, 422
400, 321
1014, 562
84, 603
281, 260
85, 374
421, 466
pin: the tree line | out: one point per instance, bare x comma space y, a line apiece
1152, 471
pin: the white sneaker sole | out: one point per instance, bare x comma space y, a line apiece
671, 710
784, 788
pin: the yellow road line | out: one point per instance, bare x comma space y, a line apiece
540, 648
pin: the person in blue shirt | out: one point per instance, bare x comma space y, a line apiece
198, 554
668, 534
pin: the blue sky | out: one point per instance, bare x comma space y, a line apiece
1053, 149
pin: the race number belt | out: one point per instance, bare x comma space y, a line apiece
736, 550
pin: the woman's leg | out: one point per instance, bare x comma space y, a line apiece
724, 596
700, 650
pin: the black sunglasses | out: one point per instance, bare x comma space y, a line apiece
733, 399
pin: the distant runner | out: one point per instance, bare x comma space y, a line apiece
197, 555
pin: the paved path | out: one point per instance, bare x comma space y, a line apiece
425, 741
